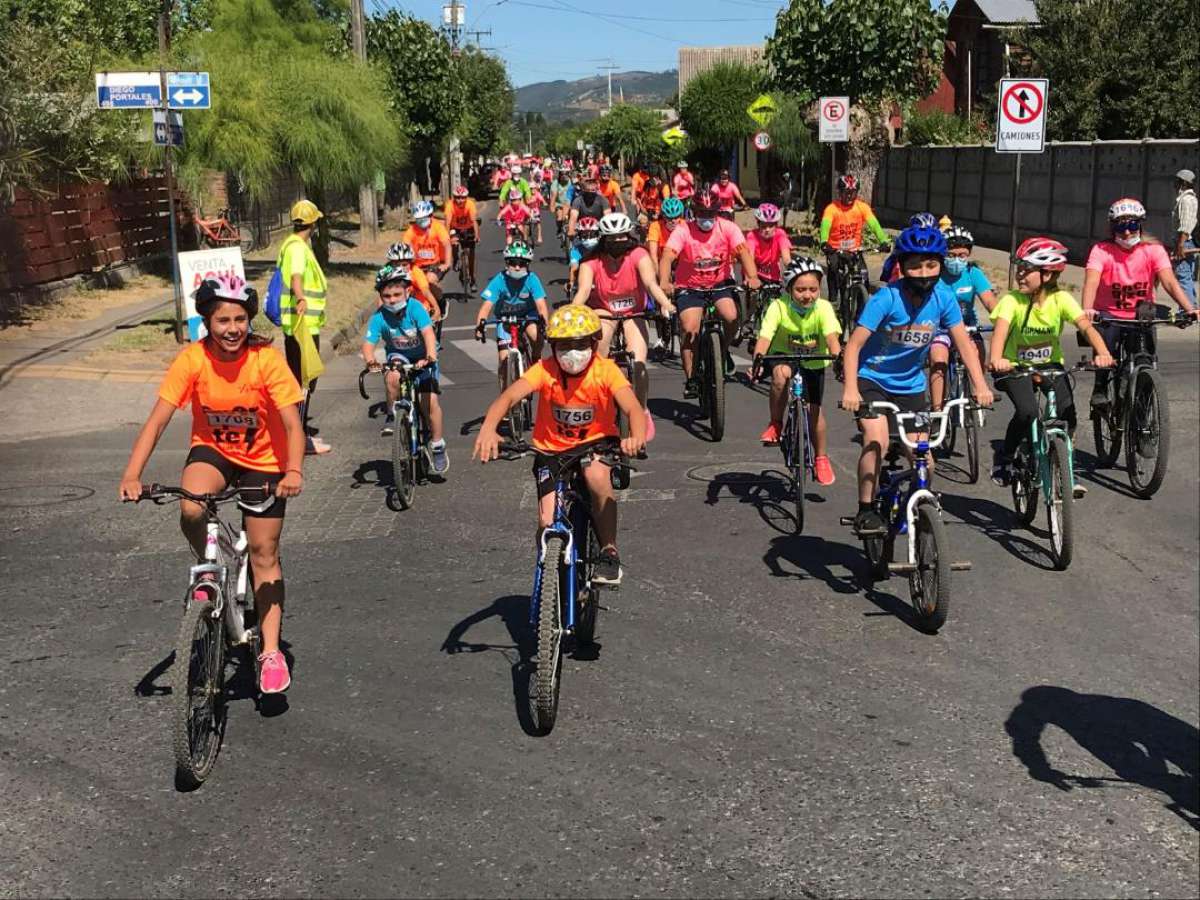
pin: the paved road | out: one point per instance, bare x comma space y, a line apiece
755, 721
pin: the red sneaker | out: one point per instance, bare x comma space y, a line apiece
273, 677
771, 435
824, 471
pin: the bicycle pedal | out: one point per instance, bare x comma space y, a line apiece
901, 568
961, 566
870, 532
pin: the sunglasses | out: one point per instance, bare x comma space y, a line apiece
1127, 226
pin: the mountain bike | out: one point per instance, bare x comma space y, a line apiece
708, 365
564, 605
795, 441
752, 310
638, 378
848, 272
218, 618
1136, 409
1044, 462
462, 246
517, 361
971, 418
411, 461
908, 507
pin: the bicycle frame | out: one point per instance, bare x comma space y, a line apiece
1046, 427
955, 374
569, 509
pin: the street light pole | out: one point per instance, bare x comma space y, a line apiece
164, 46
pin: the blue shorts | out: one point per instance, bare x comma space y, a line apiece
426, 378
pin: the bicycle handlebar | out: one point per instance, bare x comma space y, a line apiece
400, 365
875, 408
1173, 318
159, 494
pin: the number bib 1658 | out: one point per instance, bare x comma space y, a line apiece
913, 336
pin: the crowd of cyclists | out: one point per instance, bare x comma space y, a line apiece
670, 255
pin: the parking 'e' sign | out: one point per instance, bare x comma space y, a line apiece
1021, 115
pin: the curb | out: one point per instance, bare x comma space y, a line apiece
346, 331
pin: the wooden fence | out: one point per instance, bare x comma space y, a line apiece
86, 228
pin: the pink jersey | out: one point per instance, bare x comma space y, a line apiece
705, 259
683, 185
768, 253
620, 290
535, 200
514, 214
725, 195
1127, 277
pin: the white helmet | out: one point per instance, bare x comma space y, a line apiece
614, 223
1126, 207
801, 265
421, 209
515, 169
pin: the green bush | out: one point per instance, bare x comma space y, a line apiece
938, 127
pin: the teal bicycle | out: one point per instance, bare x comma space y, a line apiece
1044, 463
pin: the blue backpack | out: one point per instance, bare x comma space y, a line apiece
274, 294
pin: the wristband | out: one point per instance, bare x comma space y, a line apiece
297, 471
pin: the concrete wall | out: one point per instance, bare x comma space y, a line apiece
1065, 191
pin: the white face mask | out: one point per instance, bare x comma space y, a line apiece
573, 361
1129, 243
396, 308
423, 223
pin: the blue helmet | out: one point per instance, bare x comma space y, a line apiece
918, 239
923, 220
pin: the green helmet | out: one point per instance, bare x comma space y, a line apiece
388, 274
518, 250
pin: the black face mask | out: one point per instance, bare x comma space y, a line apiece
922, 285
589, 196
617, 246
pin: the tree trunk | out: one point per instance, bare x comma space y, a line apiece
320, 239
870, 135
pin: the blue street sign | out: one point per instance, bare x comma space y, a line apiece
188, 90
128, 90
160, 128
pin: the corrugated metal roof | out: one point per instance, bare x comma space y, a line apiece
1000, 12
694, 60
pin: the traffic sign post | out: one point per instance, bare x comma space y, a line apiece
1020, 128
834, 128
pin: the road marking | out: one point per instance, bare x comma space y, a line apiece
483, 354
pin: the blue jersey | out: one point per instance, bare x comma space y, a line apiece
966, 287
400, 332
570, 193
894, 354
513, 296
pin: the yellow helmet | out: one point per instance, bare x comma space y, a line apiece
305, 212
572, 321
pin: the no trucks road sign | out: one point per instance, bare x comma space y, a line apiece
1021, 115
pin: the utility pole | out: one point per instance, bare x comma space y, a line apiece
454, 17
368, 226
609, 66
164, 46
477, 35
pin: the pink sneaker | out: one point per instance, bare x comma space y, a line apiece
273, 675
649, 427
824, 471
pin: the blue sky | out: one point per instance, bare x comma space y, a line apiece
544, 40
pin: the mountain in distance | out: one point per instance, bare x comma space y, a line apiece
585, 98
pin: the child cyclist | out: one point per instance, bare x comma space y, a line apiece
769, 243
514, 218
579, 392
246, 431
535, 203
517, 291
968, 282
1028, 324
406, 330
797, 322
587, 239
885, 356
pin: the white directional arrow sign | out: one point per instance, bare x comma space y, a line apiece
188, 90
189, 97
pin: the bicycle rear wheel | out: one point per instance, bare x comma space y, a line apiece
716, 381
543, 699
198, 691
929, 585
1148, 435
404, 464
1059, 504
245, 237
1106, 427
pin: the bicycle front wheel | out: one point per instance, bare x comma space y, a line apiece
716, 380
404, 464
929, 585
198, 692
516, 415
798, 464
1148, 436
548, 658
245, 237
1106, 427
971, 429
1060, 501
586, 596
1024, 489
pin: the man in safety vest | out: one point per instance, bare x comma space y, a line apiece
302, 304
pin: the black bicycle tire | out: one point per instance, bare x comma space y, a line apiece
516, 415
929, 525
1149, 487
797, 463
971, 427
548, 654
1023, 487
717, 383
587, 601
861, 295
1061, 492
190, 771
1108, 446
404, 469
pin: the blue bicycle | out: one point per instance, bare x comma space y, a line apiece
564, 604
909, 507
969, 419
519, 358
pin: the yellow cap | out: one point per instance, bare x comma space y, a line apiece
572, 321
305, 212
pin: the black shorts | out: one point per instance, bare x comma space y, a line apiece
546, 466
685, 299
814, 381
909, 403
241, 477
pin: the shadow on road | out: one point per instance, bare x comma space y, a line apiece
769, 491
999, 523
1088, 468
1140, 743
683, 415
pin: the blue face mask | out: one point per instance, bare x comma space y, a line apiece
955, 266
706, 224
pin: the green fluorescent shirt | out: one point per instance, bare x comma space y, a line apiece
791, 331
1034, 338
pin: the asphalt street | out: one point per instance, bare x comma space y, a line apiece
756, 719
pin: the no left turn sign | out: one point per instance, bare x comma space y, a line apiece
1021, 115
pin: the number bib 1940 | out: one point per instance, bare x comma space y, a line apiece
1036, 354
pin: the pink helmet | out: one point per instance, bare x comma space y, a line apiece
226, 288
1043, 253
461, 192
767, 214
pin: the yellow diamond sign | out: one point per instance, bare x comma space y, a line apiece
762, 110
674, 136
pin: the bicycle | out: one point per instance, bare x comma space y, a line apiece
221, 232
516, 363
752, 311
411, 462
708, 365
462, 245
619, 354
914, 511
564, 602
1136, 409
1044, 461
795, 441
848, 270
971, 418
218, 618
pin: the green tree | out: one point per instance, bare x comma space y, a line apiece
1118, 68
488, 103
712, 109
874, 51
627, 131
126, 29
